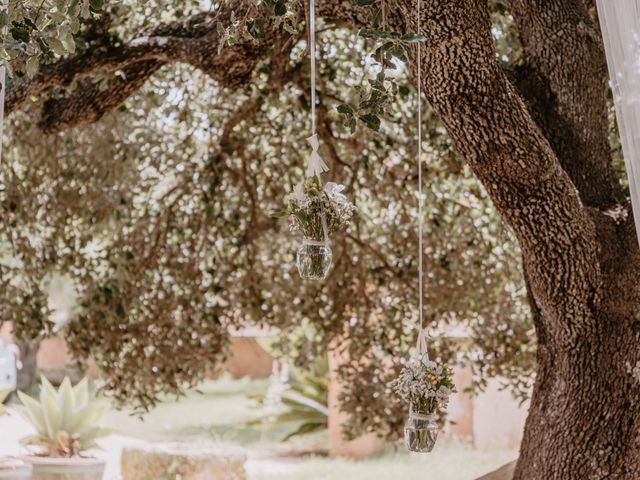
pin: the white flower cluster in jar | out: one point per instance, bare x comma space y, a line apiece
425, 385
316, 211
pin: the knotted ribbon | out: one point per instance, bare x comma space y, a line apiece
316, 165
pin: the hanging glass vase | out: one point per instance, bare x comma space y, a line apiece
314, 259
420, 432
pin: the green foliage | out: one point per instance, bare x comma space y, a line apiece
159, 217
66, 420
37, 32
274, 15
305, 402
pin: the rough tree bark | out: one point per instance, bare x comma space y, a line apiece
539, 145
554, 191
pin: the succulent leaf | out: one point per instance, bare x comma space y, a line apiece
3, 395
66, 419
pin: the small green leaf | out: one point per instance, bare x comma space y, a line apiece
345, 109
280, 8
32, 66
371, 121
351, 125
96, 5
56, 45
279, 214
413, 37
20, 32
29, 23
363, 3
68, 42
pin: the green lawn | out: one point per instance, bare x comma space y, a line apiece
216, 417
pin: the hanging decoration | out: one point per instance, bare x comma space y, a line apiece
317, 211
426, 387
423, 384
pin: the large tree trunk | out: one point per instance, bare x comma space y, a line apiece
580, 263
584, 419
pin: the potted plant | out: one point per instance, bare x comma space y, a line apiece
12, 468
426, 386
66, 423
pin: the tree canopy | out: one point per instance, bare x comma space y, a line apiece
159, 213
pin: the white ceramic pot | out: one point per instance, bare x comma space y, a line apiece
14, 469
77, 468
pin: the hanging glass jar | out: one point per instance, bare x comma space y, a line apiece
420, 432
314, 259
426, 387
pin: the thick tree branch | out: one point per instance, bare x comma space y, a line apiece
89, 103
493, 130
564, 80
161, 43
194, 41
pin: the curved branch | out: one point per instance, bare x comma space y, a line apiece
89, 103
193, 40
493, 130
163, 43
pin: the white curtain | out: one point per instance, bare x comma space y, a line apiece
3, 84
620, 22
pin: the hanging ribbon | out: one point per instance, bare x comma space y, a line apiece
421, 345
316, 165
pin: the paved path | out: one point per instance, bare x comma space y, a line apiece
13, 428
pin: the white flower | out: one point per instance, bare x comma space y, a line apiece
424, 384
429, 364
298, 194
333, 189
316, 216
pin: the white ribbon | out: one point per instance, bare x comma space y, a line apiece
422, 335
422, 352
316, 165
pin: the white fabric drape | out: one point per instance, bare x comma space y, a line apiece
620, 22
3, 84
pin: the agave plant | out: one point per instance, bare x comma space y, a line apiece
304, 401
66, 420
